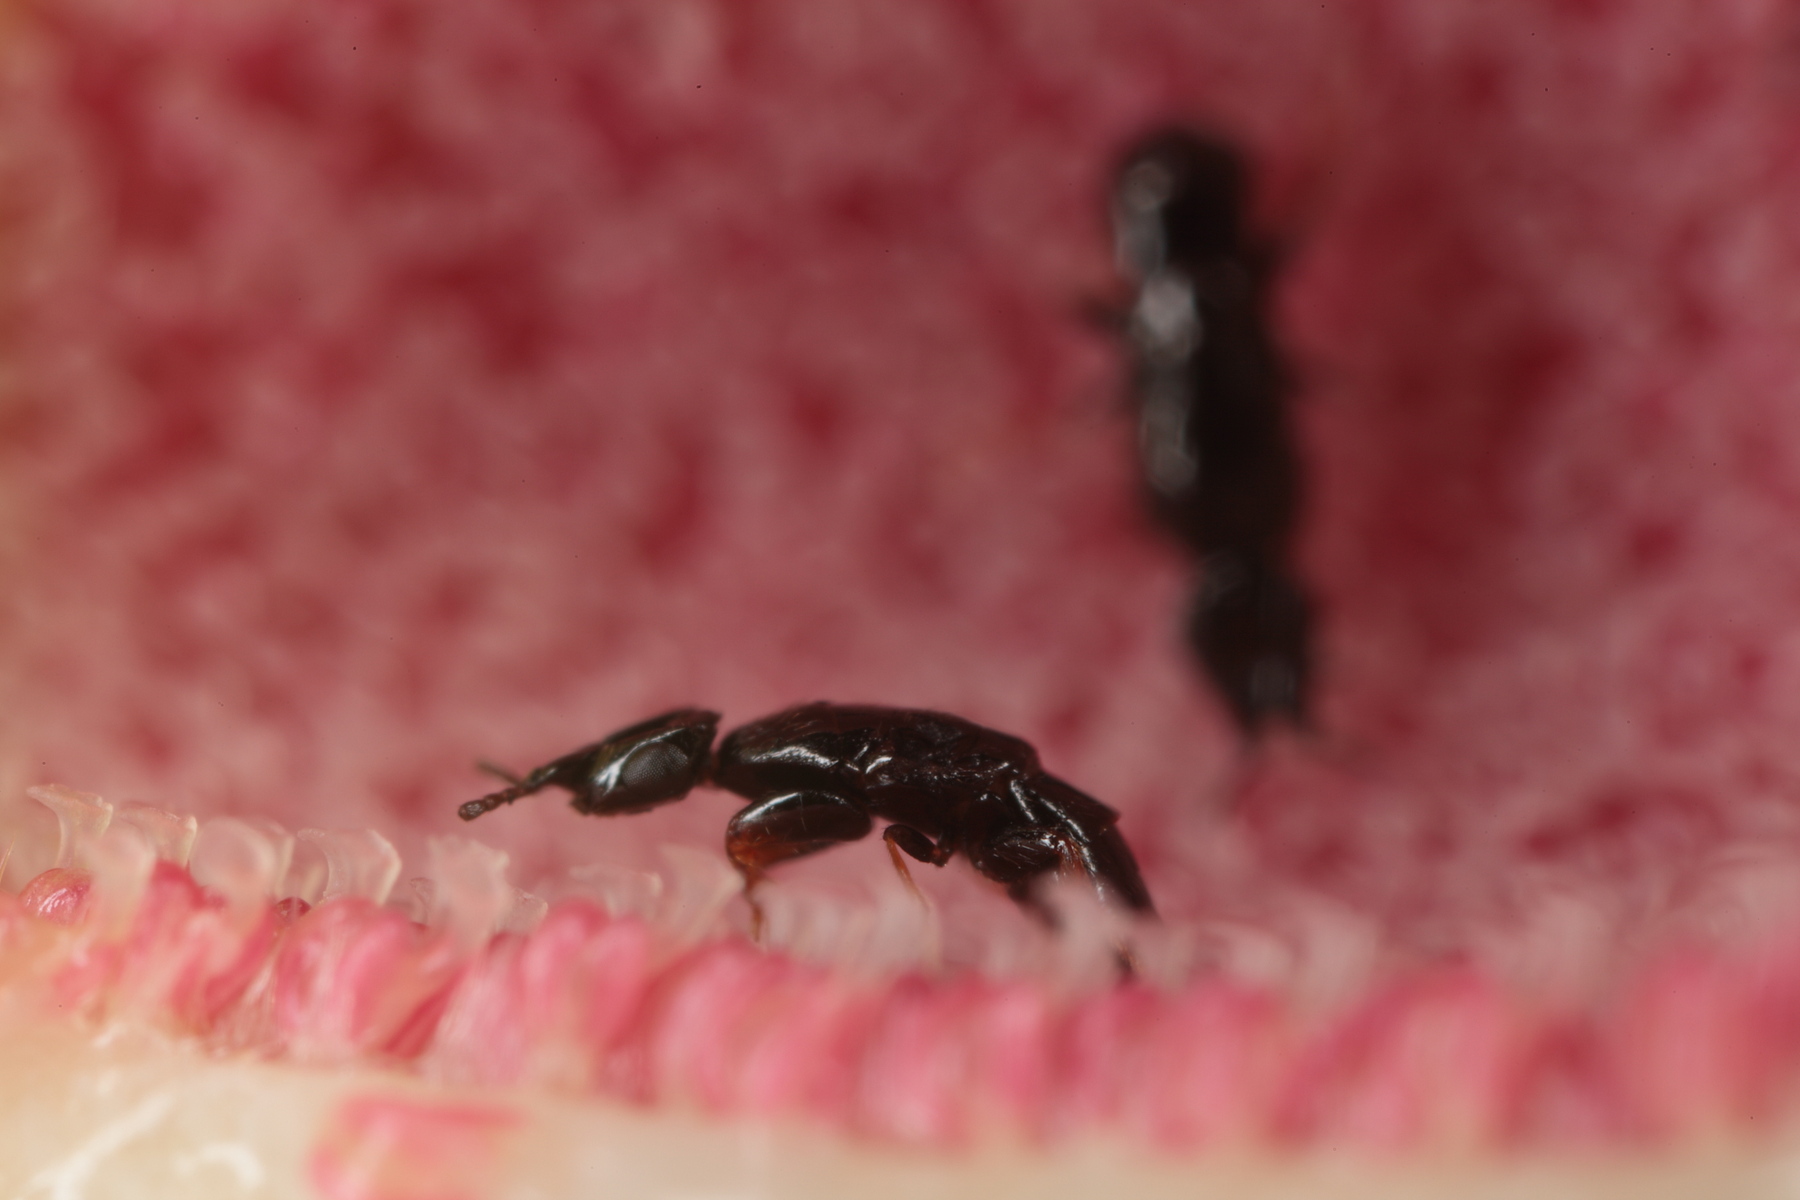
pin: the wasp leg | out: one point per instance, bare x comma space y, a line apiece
1018, 857
1089, 840
1074, 855
1024, 893
784, 827
917, 845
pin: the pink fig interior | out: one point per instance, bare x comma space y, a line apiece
390, 386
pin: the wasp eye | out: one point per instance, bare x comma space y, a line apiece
648, 763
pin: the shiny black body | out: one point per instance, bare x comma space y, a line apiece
1217, 457
822, 774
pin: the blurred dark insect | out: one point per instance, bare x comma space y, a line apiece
1216, 455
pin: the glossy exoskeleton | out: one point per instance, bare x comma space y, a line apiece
822, 774
1216, 455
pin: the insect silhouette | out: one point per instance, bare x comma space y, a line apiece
1215, 452
821, 774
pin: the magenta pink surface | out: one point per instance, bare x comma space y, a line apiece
1437, 1058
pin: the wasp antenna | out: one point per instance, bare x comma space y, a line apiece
488, 804
499, 772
